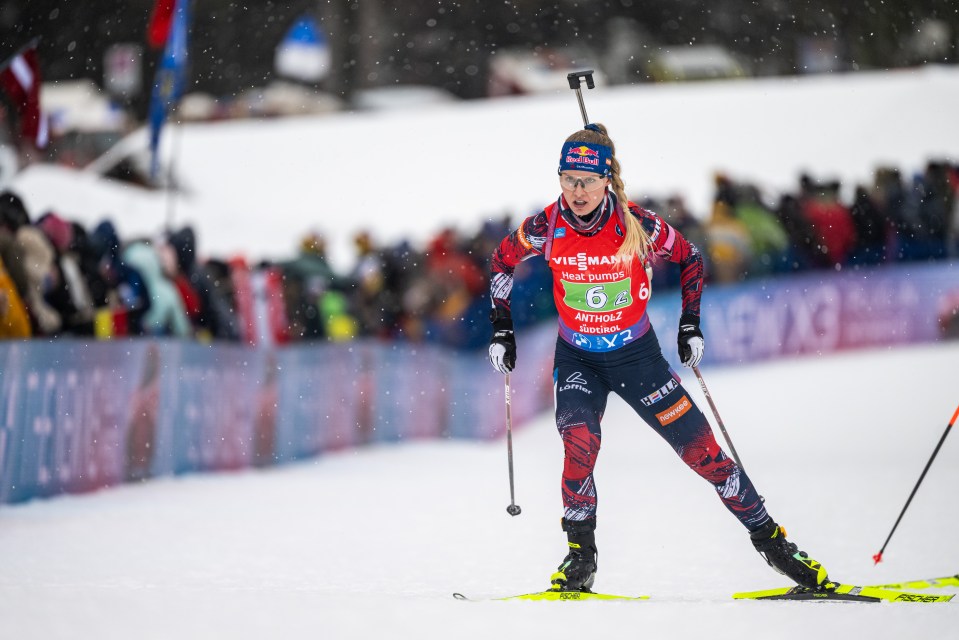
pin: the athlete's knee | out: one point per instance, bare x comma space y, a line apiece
581, 445
708, 460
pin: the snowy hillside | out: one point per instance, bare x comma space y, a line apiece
371, 543
256, 187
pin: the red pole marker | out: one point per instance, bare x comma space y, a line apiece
878, 557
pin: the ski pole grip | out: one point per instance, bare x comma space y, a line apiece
575, 77
574, 80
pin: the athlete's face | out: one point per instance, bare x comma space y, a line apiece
584, 190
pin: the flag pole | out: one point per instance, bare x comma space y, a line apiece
171, 167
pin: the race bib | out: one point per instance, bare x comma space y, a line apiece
597, 298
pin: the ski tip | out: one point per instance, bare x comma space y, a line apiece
877, 558
460, 596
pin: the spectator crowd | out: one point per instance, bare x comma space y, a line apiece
59, 279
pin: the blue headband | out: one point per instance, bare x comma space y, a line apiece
586, 156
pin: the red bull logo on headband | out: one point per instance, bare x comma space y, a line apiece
579, 156
584, 151
583, 155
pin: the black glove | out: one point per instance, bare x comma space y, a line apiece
502, 346
690, 340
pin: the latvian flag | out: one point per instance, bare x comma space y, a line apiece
159, 28
20, 78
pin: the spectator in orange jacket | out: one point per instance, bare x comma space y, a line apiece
14, 320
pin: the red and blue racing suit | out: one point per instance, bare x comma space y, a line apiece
606, 343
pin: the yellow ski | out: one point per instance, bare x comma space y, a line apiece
842, 592
934, 583
562, 595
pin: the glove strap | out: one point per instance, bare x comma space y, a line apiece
689, 319
501, 318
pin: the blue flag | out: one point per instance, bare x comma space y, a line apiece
170, 78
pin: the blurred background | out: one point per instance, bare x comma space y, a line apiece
98, 67
272, 107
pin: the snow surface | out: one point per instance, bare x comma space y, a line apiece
371, 543
256, 187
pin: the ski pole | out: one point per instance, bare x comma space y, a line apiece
712, 405
878, 557
719, 421
513, 508
574, 84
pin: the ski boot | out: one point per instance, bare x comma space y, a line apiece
578, 569
786, 558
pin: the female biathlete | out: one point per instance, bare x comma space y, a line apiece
599, 253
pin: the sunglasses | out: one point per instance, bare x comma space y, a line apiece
589, 183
